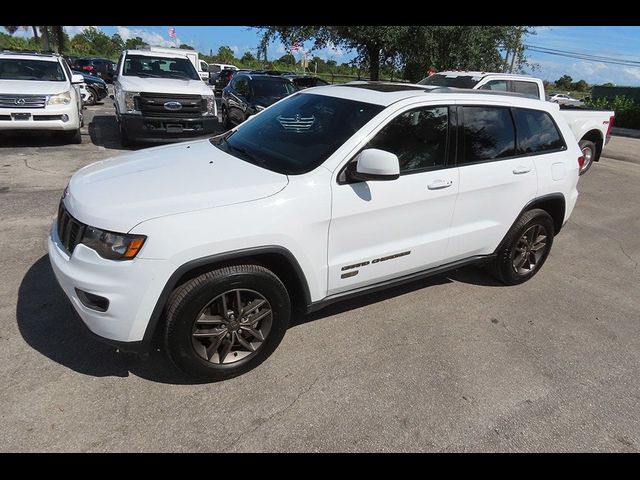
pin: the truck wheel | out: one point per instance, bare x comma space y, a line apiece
125, 140
73, 136
525, 250
226, 322
92, 97
589, 153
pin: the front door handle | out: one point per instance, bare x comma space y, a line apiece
520, 170
440, 184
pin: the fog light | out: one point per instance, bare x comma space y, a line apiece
65, 118
94, 302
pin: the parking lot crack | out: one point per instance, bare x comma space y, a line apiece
635, 264
273, 415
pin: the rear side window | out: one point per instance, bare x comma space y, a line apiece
536, 132
496, 86
530, 89
488, 134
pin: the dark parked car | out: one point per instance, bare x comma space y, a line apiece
96, 87
249, 93
306, 81
98, 67
222, 78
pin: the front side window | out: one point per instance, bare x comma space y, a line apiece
24, 69
455, 81
537, 133
417, 137
298, 134
159, 67
488, 134
530, 89
241, 85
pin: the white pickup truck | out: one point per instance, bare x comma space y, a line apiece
592, 128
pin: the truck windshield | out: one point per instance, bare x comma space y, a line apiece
297, 134
159, 67
23, 69
457, 81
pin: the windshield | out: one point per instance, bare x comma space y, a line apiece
159, 67
263, 87
22, 69
297, 134
457, 81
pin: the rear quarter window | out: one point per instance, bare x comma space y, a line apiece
536, 132
530, 89
489, 134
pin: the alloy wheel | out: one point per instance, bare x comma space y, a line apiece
530, 249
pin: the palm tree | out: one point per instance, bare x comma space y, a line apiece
14, 29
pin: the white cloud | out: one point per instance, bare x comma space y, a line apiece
74, 30
633, 71
234, 48
152, 38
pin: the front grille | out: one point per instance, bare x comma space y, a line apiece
43, 118
23, 101
70, 230
153, 105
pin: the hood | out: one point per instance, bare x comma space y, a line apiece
164, 85
32, 87
118, 193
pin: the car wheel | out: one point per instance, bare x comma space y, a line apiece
226, 322
589, 153
92, 97
226, 121
525, 248
73, 136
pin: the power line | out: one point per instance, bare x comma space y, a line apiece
583, 56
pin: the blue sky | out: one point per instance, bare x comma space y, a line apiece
619, 42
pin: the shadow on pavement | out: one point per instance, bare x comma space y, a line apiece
32, 138
48, 323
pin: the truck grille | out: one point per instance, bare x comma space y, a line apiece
70, 230
154, 105
23, 101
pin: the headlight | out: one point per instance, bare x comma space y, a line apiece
130, 101
113, 246
211, 104
63, 98
259, 108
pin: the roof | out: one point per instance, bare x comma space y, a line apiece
481, 74
151, 53
51, 57
385, 93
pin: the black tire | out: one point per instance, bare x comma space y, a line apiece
589, 151
226, 122
125, 140
93, 98
74, 137
188, 301
502, 267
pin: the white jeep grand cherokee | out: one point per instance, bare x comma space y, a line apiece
210, 245
39, 92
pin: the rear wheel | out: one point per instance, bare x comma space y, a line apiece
226, 322
589, 153
526, 248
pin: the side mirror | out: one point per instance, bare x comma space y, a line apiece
75, 78
376, 165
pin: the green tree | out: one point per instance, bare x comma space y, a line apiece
225, 54
608, 84
287, 59
132, 43
186, 47
580, 86
247, 58
564, 82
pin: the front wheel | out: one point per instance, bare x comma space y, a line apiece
588, 149
226, 322
125, 140
92, 97
525, 249
74, 136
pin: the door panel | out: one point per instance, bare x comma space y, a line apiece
385, 229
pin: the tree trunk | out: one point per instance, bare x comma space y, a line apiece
45, 39
35, 34
374, 62
59, 38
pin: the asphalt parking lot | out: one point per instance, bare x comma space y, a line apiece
454, 363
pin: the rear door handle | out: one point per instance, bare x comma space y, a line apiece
520, 170
440, 184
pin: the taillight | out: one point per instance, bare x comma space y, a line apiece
610, 126
87, 67
580, 162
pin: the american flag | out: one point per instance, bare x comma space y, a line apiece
172, 32
296, 46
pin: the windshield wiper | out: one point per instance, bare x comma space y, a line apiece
144, 74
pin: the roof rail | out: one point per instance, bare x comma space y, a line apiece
32, 52
473, 92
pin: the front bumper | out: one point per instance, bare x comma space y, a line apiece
129, 286
49, 118
167, 129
